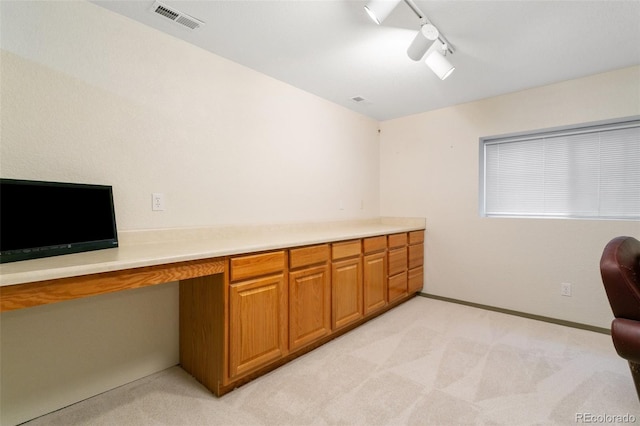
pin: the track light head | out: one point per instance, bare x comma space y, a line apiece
438, 63
427, 42
420, 44
378, 10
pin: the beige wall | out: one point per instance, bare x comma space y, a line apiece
90, 96
516, 264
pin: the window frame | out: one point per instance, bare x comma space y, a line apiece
567, 130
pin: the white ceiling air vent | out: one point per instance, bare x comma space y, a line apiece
176, 16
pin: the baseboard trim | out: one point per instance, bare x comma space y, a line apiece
519, 314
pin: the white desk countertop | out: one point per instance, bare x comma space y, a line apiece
156, 247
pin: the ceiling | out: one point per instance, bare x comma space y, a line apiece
332, 49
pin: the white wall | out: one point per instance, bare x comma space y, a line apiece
90, 96
515, 264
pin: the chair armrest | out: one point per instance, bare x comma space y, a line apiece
626, 338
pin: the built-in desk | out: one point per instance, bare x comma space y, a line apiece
233, 280
26, 295
150, 257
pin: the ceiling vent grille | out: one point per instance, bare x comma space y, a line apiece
176, 16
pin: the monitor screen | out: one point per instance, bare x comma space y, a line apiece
41, 219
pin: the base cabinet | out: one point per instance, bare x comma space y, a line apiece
270, 307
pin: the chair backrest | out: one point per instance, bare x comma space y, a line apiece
620, 270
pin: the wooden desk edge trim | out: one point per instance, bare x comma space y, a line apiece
52, 291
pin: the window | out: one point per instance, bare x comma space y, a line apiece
586, 171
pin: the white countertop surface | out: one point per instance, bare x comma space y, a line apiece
157, 247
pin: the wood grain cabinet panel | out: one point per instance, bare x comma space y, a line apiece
346, 289
416, 237
310, 255
257, 324
309, 295
258, 264
374, 273
397, 260
397, 286
397, 240
267, 308
309, 305
375, 281
345, 249
202, 329
346, 283
398, 263
374, 244
416, 255
415, 280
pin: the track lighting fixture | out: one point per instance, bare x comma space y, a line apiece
437, 61
429, 41
378, 10
420, 44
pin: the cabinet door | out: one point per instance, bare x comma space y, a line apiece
309, 305
375, 281
346, 279
257, 323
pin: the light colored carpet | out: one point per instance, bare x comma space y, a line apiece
427, 362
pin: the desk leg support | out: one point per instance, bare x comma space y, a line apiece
202, 329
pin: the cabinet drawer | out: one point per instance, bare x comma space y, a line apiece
305, 256
397, 261
374, 244
257, 265
416, 237
415, 282
397, 240
416, 255
397, 286
345, 249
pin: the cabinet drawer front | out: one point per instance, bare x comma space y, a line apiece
345, 249
256, 265
416, 255
415, 282
375, 244
305, 256
397, 286
416, 237
397, 261
398, 240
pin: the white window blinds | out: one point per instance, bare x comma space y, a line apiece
590, 171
